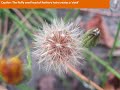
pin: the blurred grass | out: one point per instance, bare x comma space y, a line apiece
115, 43
71, 15
32, 16
103, 63
24, 87
17, 22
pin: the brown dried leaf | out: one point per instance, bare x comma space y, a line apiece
113, 83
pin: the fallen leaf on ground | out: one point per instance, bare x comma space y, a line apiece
113, 83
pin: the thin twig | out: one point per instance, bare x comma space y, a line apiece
81, 76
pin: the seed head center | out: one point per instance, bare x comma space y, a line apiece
58, 45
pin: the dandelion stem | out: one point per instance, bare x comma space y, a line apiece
81, 76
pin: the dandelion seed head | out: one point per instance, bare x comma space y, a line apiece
57, 46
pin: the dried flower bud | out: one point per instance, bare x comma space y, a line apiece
90, 38
11, 70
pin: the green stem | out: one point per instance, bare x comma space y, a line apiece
76, 14
68, 15
5, 42
102, 62
114, 45
29, 60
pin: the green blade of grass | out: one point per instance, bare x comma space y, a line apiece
52, 12
29, 60
21, 35
24, 87
76, 14
68, 15
102, 62
115, 42
43, 14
